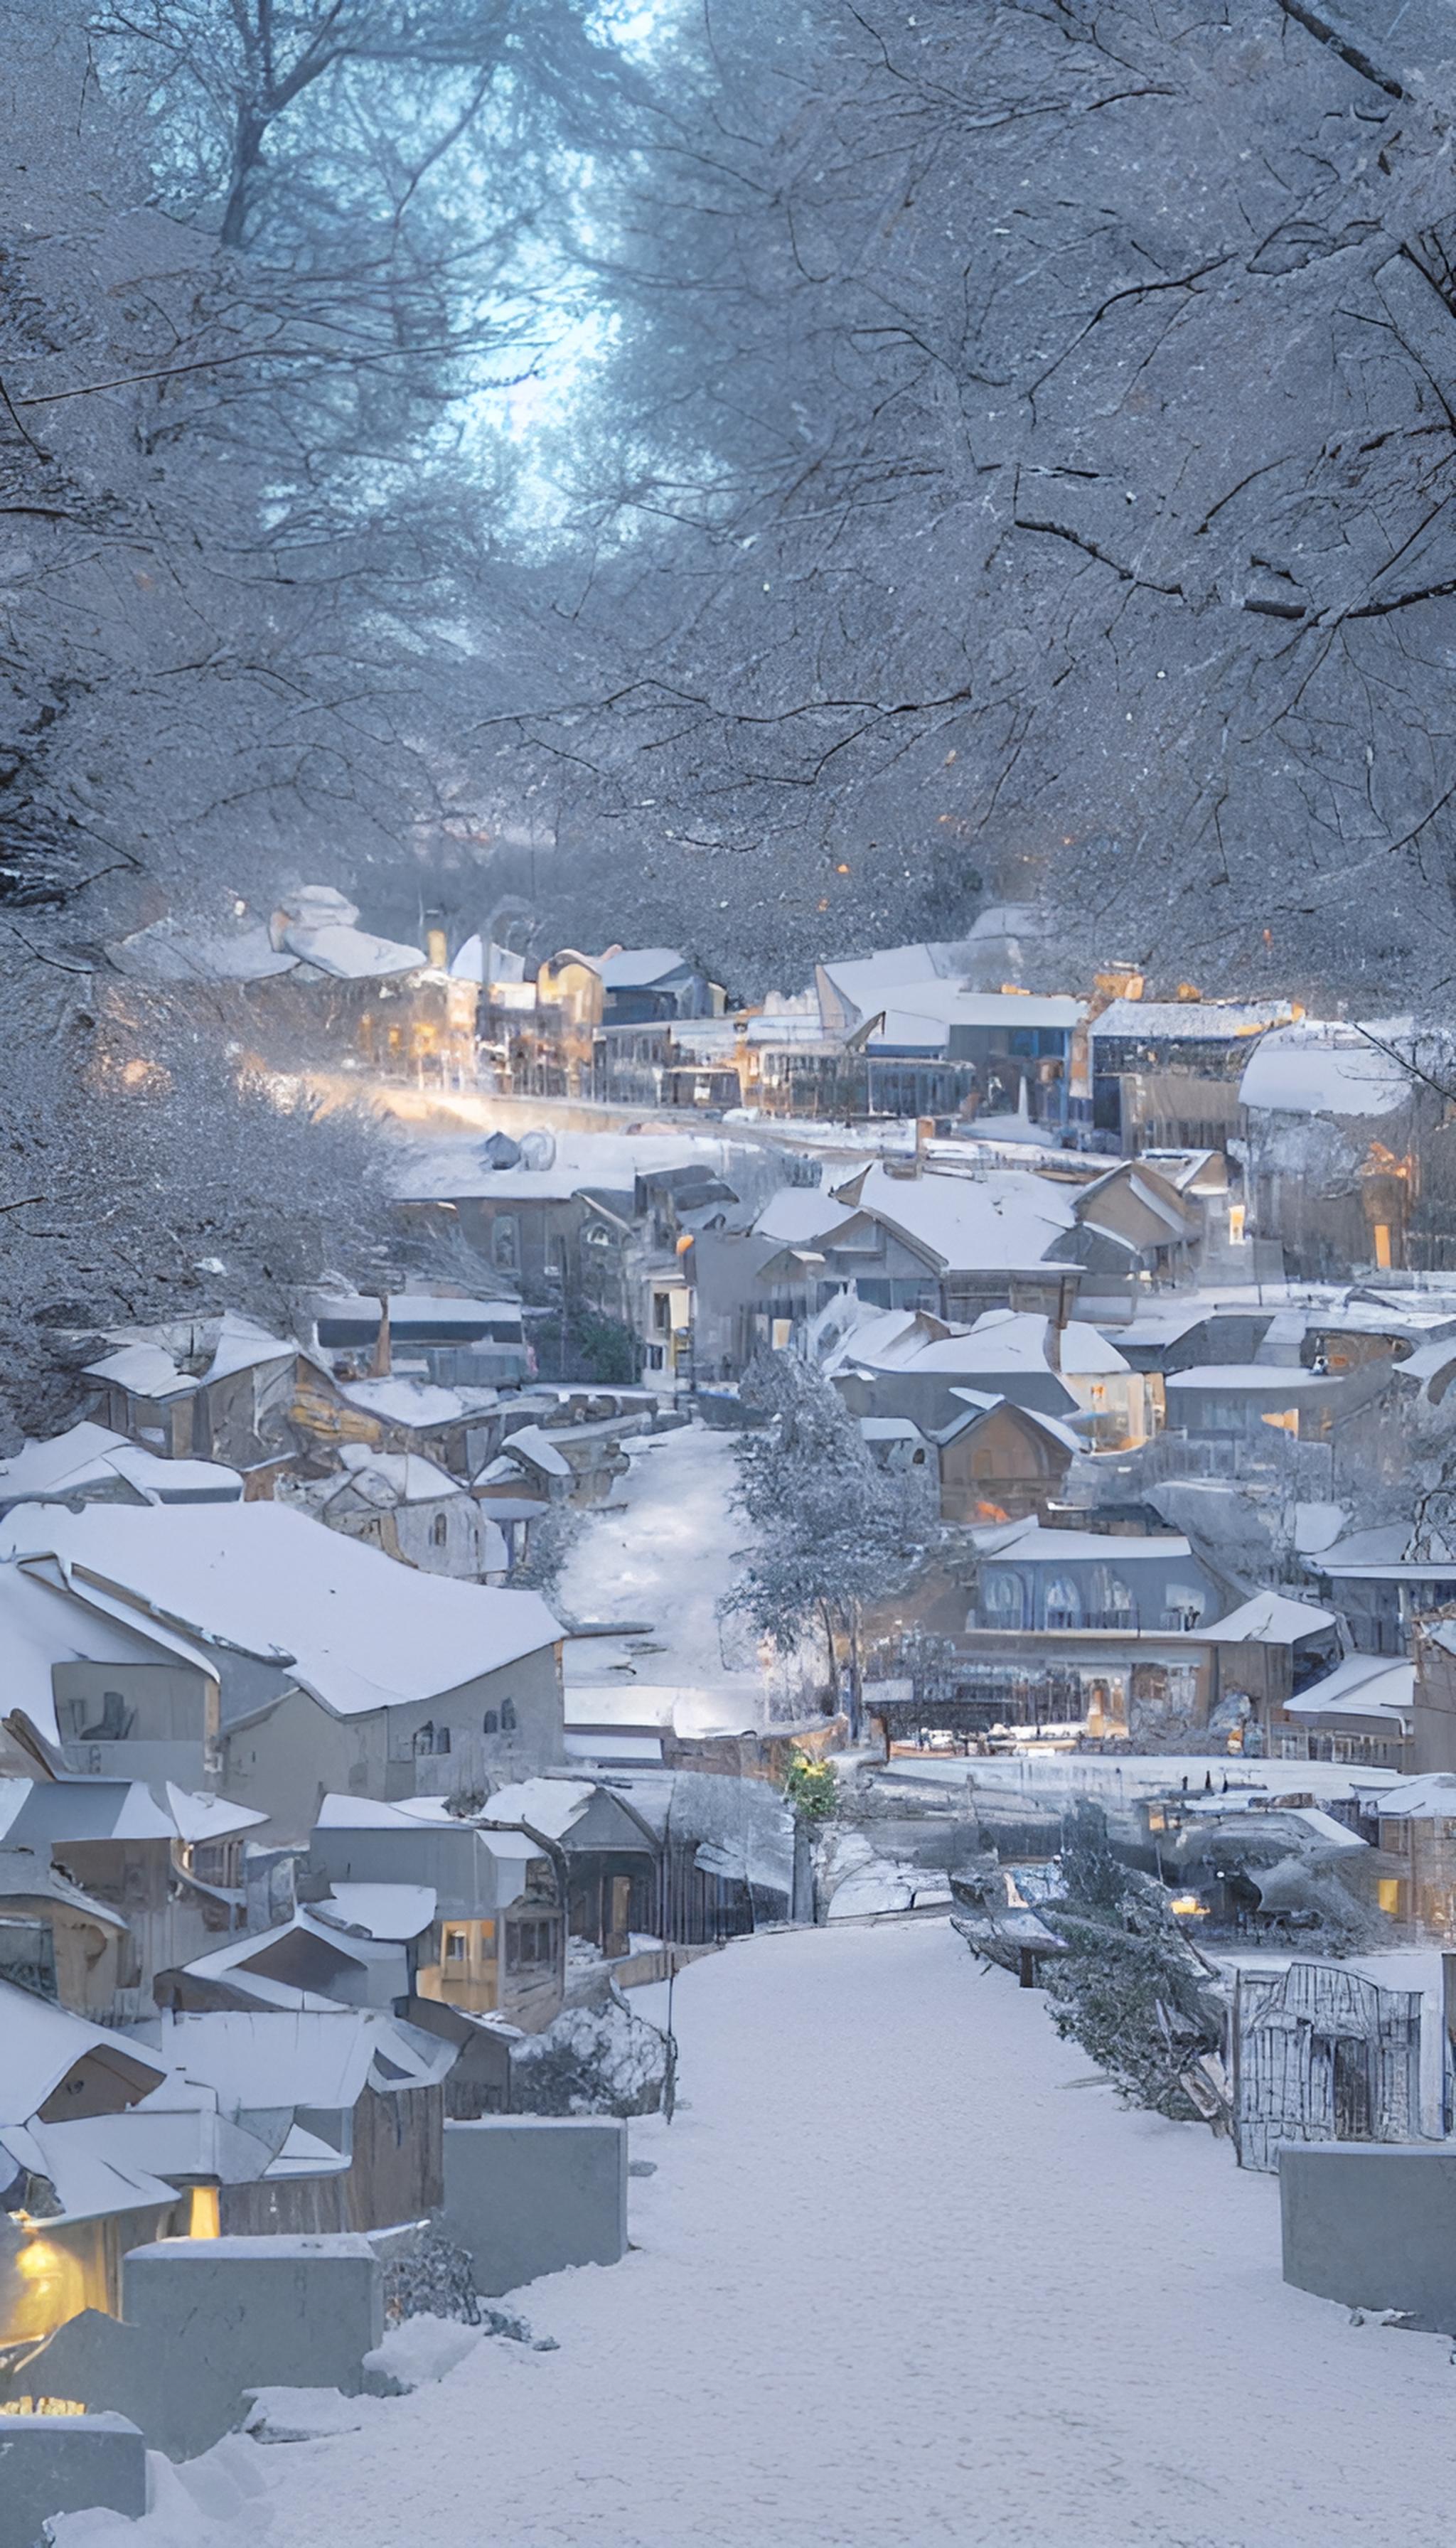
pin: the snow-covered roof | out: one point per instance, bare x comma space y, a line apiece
147, 1371
360, 1630
261, 2059
34, 1812
400, 1477
1017, 1340
87, 2169
1325, 1069
549, 1805
1190, 1021
980, 1401
1360, 1686
173, 949
420, 1404
89, 1457
635, 969
40, 2041
889, 1428
1252, 1378
1428, 1798
1006, 1220
1270, 1619
39, 1467
392, 1913
351, 955
1032, 1543
241, 1345
535, 1447
479, 960
1380, 1556
800, 1214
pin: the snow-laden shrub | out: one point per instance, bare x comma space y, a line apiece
1132, 1990
598, 2061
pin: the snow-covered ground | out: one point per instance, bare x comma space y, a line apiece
665, 1560
901, 2277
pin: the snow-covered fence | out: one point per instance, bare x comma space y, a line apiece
1321, 2054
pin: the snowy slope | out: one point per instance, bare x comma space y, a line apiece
901, 2281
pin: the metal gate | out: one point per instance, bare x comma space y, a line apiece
1318, 2053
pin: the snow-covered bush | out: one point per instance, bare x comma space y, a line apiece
597, 2061
1133, 1990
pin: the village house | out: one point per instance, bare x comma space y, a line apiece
1382, 1589
440, 1337
89, 1688
90, 1464
1415, 1830
1031, 1577
406, 1506
1165, 1074
1072, 1373
495, 1944
992, 1462
932, 1045
1362, 1712
162, 1870
337, 1667
1337, 1132
612, 1855
55, 1938
309, 978
349, 2101
218, 1388
67, 2211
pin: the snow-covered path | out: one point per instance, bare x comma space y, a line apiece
665, 1559
897, 2280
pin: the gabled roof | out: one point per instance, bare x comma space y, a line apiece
145, 1371
1428, 1798
979, 1404
241, 1345
41, 2043
359, 1630
634, 968
1030, 1542
1270, 1619
1380, 1556
1010, 1340
89, 2168
34, 1813
1360, 1686
538, 1449
1320, 1068
1006, 1220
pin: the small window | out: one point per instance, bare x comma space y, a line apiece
506, 1242
530, 1946
439, 1530
508, 1716
490, 1722
456, 1946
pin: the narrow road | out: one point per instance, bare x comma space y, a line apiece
899, 2280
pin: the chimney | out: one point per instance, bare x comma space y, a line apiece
380, 1367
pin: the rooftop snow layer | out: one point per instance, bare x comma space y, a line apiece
1008, 1218
1318, 1069
360, 1630
1270, 1619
